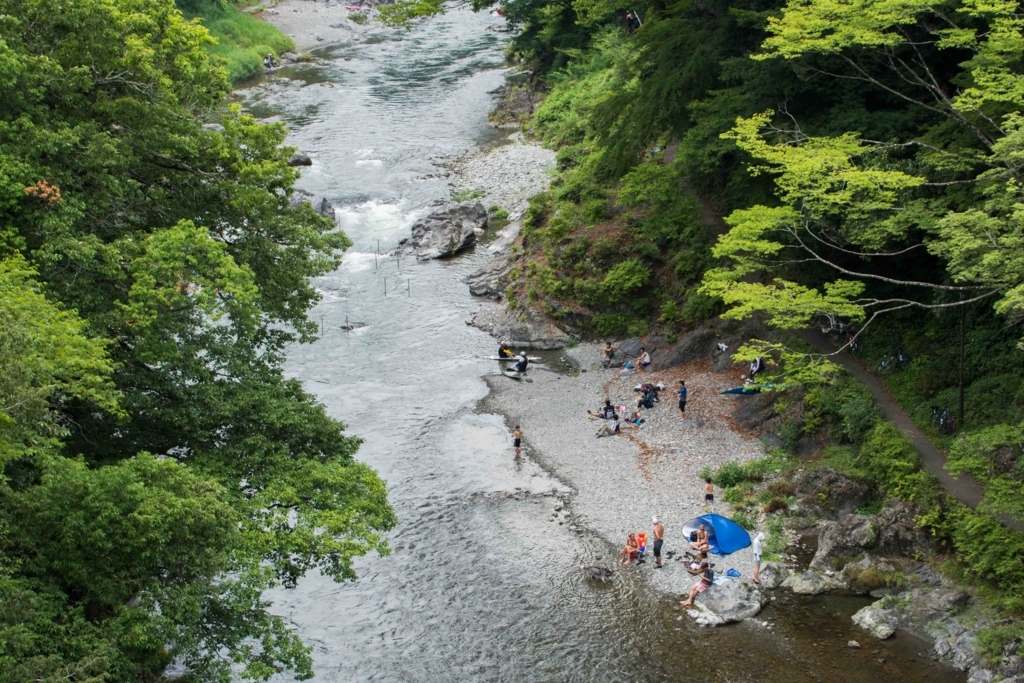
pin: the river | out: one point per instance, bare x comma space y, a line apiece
480, 586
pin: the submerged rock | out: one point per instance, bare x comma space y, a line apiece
447, 231
875, 621
300, 159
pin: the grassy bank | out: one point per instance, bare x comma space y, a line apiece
242, 40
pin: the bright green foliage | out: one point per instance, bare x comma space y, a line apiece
152, 272
993, 457
44, 352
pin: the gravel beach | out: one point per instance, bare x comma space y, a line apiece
315, 24
509, 174
620, 482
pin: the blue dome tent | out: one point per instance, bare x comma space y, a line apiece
724, 535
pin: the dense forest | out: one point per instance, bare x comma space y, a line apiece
849, 166
158, 471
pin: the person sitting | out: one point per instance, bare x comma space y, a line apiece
608, 353
707, 578
609, 428
756, 366
697, 562
701, 544
631, 550
606, 412
643, 360
522, 362
504, 351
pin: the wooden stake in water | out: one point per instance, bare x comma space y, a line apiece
408, 287
385, 286
321, 326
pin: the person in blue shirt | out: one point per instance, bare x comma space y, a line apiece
682, 399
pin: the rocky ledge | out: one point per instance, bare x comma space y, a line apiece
446, 232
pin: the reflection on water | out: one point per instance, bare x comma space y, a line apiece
481, 586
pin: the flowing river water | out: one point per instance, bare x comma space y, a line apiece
480, 586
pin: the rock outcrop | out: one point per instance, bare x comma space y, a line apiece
493, 278
695, 344
446, 232
530, 329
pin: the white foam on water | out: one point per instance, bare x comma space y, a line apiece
374, 220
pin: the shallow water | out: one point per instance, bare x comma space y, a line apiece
480, 586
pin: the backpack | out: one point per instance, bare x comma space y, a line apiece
693, 536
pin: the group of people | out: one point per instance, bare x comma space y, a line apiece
636, 545
522, 362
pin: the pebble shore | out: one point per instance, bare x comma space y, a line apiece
509, 174
620, 482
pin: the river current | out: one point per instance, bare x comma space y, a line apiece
480, 585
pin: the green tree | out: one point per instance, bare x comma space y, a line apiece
165, 267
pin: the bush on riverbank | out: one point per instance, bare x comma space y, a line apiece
242, 40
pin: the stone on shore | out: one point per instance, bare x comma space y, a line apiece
447, 231
875, 621
300, 159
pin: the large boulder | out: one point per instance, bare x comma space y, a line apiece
733, 600
842, 540
811, 583
447, 231
300, 159
876, 621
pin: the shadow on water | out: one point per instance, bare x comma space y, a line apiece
484, 582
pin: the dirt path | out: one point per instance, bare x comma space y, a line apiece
962, 487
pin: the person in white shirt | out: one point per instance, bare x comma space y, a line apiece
758, 540
643, 360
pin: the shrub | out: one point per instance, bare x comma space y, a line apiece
625, 278
729, 474
775, 504
890, 459
357, 17
869, 579
745, 520
498, 213
734, 495
467, 195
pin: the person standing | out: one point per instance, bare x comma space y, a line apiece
517, 440
659, 540
709, 495
758, 540
682, 399
609, 353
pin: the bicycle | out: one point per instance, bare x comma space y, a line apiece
893, 361
944, 419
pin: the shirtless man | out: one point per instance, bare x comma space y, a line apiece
659, 540
517, 440
709, 495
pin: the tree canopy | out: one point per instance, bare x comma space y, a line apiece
159, 472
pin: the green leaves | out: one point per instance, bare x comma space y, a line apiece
152, 272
